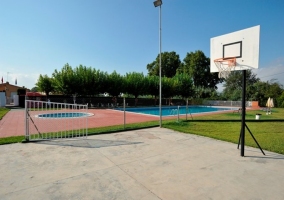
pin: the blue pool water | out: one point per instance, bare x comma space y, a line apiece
173, 110
64, 115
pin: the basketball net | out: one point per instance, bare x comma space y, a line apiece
225, 66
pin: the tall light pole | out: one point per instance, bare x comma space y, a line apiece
156, 4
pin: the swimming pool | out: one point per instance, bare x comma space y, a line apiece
64, 115
174, 110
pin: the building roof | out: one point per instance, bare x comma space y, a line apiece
34, 94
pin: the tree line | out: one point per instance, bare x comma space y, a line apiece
87, 81
190, 78
256, 89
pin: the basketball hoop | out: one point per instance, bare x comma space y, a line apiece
225, 66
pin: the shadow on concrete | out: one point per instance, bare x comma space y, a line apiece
87, 143
280, 157
267, 155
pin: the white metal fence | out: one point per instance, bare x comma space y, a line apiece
227, 103
51, 120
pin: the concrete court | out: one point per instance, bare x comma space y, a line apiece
146, 164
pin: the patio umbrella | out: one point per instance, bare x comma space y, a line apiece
269, 105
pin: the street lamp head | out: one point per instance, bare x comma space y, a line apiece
158, 3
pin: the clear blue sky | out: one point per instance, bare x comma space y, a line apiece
39, 36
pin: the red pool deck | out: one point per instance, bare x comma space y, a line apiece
13, 123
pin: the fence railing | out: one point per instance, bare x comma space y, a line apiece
227, 103
51, 120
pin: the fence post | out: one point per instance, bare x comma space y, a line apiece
27, 136
186, 108
178, 114
124, 112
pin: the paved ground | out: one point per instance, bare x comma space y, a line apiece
147, 164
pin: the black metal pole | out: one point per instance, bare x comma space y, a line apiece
243, 114
255, 140
240, 139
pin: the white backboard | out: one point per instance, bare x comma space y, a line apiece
243, 44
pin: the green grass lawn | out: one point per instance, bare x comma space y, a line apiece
276, 114
3, 112
268, 131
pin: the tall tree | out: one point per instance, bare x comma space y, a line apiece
153, 87
168, 87
261, 91
136, 84
45, 84
233, 85
281, 100
170, 63
183, 85
116, 84
101, 84
84, 77
66, 81
34, 89
197, 65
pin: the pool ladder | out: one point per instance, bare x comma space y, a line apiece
176, 112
